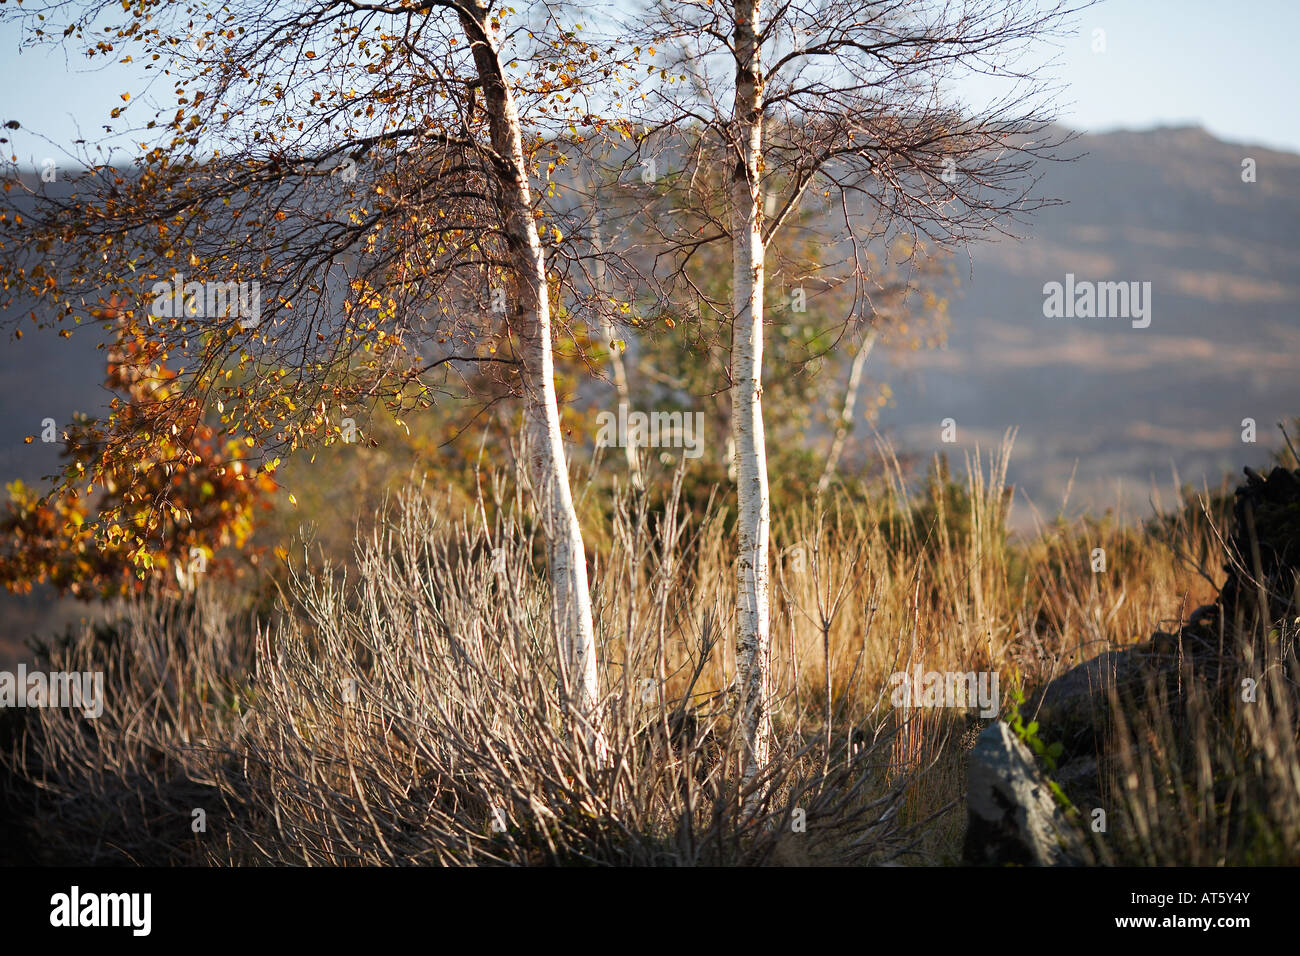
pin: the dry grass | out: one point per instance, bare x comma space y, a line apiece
408, 713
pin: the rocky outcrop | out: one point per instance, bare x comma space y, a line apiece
1264, 558
1007, 815
1014, 818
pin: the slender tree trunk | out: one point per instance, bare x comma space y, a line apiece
846, 416
752, 649
571, 597
616, 363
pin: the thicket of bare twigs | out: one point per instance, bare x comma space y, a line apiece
411, 716
402, 707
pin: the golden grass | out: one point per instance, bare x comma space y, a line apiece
864, 585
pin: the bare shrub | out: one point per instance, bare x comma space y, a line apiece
123, 787
412, 715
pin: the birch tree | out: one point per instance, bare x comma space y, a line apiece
850, 105
333, 207
890, 310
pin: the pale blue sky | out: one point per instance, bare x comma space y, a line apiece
1228, 66
1231, 67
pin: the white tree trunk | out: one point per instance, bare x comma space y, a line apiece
846, 416
531, 316
548, 468
616, 363
752, 648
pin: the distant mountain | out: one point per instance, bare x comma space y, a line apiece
1125, 404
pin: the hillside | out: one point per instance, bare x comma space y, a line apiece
1167, 207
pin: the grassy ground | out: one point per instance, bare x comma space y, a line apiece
400, 706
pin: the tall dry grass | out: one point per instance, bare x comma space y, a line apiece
402, 707
411, 715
